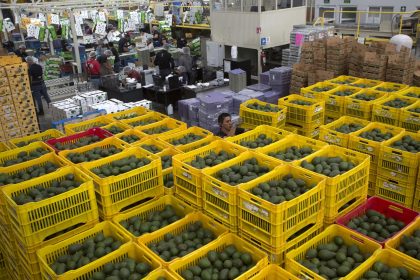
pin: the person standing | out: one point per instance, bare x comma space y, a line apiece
105, 66
117, 61
164, 61
38, 87
123, 43
93, 69
186, 60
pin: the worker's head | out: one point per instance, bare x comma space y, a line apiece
22, 47
186, 50
225, 121
127, 70
30, 60
102, 59
92, 55
166, 47
108, 53
110, 44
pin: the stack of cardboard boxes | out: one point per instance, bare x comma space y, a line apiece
17, 110
401, 67
374, 66
337, 56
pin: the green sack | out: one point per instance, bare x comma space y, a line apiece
41, 36
120, 25
53, 34
1, 25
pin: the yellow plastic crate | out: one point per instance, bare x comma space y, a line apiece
271, 132
4, 147
104, 144
129, 113
135, 132
116, 193
153, 141
13, 154
389, 115
252, 118
161, 273
397, 164
303, 114
176, 229
366, 83
168, 172
371, 147
42, 136
49, 254
344, 80
221, 199
258, 256
129, 250
329, 134
334, 104
149, 118
170, 138
412, 92
389, 258
394, 190
37, 221
274, 272
390, 87
318, 90
362, 109
116, 125
188, 179
291, 129
274, 224
416, 201
100, 121
365, 245
180, 208
292, 141
348, 188
410, 120
307, 131
172, 124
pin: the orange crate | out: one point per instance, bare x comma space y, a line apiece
142, 120
172, 139
335, 99
275, 224
252, 118
168, 124
292, 258
355, 106
318, 90
410, 117
188, 179
329, 133
176, 229
181, 210
49, 254
258, 256
129, 113
384, 113
275, 134
303, 114
371, 147
133, 133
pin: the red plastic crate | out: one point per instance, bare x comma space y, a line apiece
101, 133
385, 207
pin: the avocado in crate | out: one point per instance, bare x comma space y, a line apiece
349, 128
410, 244
408, 144
94, 154
238, 174
151, 148
130, 138
127, 268
120, 166
379, 270
302, 102
376, 134
261, 141
24, 156
414, 110
264, 108
43, 136
292, 153
397, 103
157, 130
328, 166
81, 142
187, 139
143, 122
28, 173
211, 159
114, 129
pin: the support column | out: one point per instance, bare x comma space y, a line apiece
75, 43
6, 36
259, 63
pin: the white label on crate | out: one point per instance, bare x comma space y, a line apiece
365, 148
383, 113
315, 133
318, 109
353, 106
413, 119
220, 193
281, 117
332, 139
392, 186
187, 175
332, 102
396, 158
255, 209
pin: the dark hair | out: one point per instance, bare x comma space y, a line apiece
222, 117
110, 44
102, 59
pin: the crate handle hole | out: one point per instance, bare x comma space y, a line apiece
135, 204
70, 228
348, 204
300, 232
396, 209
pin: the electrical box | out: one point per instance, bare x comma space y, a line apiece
215, 54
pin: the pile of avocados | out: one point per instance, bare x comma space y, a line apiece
157, 130
397, 103
335, 259
328, 166
125, 269
25, 156
130, 138
153, 221
81, 142
151, 148
238, 174
173, 246
361, 85
81, 254
114, 129
94, 154
349, 128
31, 172
322, 89
344, 82
143, 122
168, 180
376, 225
128, 116
380, 270
263, 108
41, 192
345, 92
189, 138
225, 265
278, 191
166, 161
410, 244
384, 89
365, 97
301, 102
212, 159
118, 167
407, 143
261, 141
292, 153
415, 110
25, 143
376, 135
413, 94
